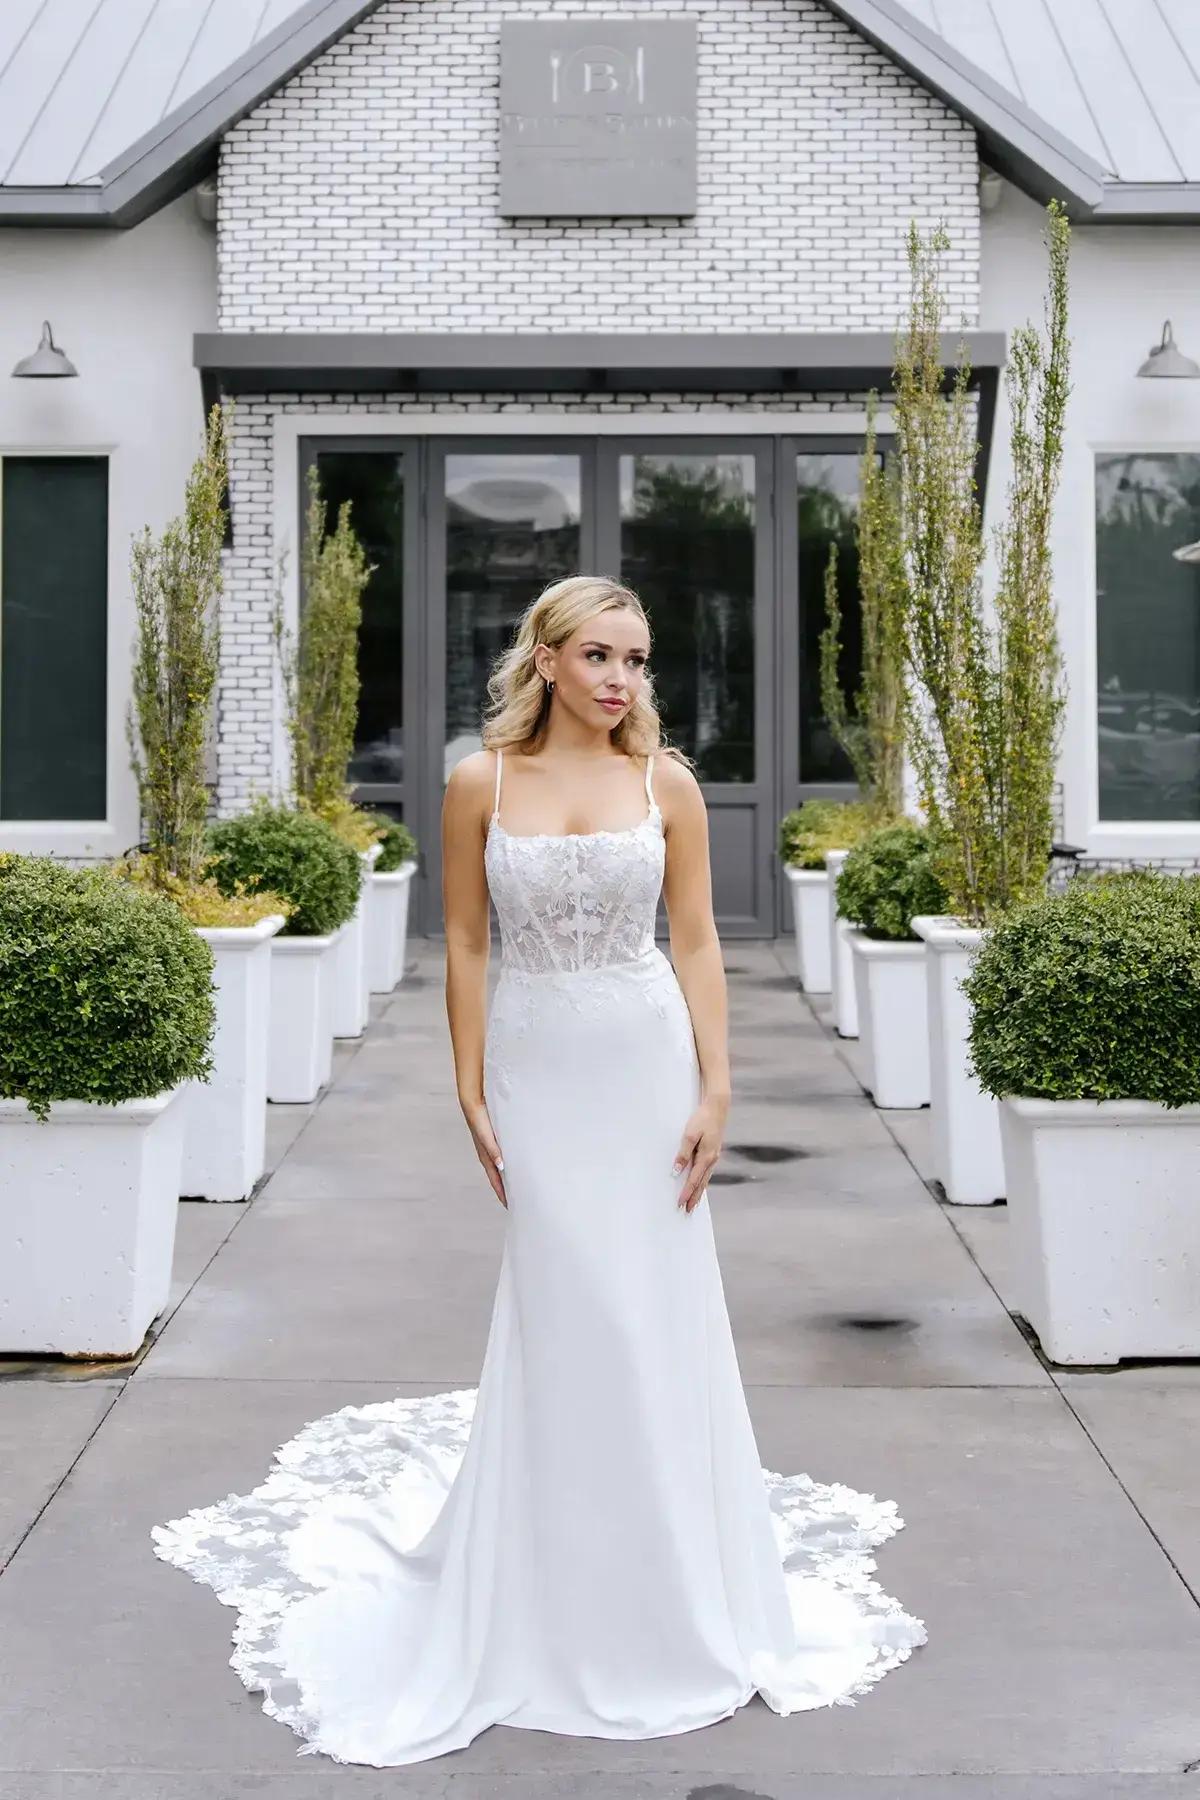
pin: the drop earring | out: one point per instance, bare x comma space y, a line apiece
549, 687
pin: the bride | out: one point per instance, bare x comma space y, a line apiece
586, 1543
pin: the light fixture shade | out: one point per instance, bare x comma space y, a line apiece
1167, 359
47, 359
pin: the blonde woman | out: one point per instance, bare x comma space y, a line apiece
587, 1543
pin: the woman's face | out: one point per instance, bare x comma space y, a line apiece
602, 661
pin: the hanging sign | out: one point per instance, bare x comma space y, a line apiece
597, 116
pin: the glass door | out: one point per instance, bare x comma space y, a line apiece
687, 523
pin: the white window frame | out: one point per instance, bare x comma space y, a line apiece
1117, 838
88, 839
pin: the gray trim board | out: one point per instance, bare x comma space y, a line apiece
372, 362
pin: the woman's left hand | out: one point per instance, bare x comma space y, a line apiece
700, 1147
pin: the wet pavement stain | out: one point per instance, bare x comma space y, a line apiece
723, 1791
767, 1153
873, 1322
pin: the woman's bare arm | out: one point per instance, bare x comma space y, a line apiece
696, 954
468, 943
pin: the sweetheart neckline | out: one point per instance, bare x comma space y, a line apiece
573, 837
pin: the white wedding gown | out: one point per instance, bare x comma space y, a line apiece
586, 1543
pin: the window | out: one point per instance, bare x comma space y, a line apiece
1148, 636
53, 636
826, 499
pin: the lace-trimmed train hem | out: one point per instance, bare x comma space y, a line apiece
849, 1632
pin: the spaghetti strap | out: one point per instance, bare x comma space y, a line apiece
649, 789
499, 764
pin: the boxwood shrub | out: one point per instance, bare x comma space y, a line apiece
808, 831
399, 844
296, 854
1093, 994
887, 880
105, 991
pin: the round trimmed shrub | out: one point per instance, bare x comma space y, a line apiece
888, 880
809, 830
1093, 994
399, 844
296, 854
105, 991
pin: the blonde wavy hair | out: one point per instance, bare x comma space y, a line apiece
519, 703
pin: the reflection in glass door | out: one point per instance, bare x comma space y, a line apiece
687, 548
512, 526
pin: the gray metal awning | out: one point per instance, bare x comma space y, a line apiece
240, 362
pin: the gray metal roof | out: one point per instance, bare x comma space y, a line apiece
80, 80
111, 108
1119, 78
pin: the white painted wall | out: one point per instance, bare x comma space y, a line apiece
1124, 281
123, 305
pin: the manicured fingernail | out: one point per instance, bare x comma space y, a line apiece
499, 1162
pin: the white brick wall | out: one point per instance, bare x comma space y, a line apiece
363, 196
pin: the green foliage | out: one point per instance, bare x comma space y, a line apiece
888, 880
808, 831
399, 844
986, 684
355, 825
872, 731
202, 902
176, 589
1093, 994
105, 991
320, 671
294, 853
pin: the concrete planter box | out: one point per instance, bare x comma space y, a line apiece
387, 927
841, 962
225, 1118
300, 1034
810, 913
352, 994
88, 1204
889, 980
967, 1158
1102, 1205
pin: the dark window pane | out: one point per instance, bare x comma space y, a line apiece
827, 487
512, 527
687, 548
53, 636
1148, 636
373, 482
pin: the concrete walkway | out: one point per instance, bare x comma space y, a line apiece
1052, 1542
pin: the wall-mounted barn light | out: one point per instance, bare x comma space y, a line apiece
1168, 359
47, 359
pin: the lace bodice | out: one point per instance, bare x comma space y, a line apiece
582, 900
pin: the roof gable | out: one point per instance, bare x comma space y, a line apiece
174, 153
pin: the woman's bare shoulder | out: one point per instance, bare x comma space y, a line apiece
472, 777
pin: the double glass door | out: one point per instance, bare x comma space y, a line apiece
464, 532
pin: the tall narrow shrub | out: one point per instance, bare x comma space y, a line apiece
320, 663
176, 581
871, 727
985, 677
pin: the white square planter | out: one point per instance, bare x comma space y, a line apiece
810, 913
967, 1158
1104, 1210
889, 981
224, 1142
300, 1033
841, 962
88, 1204
352, 993
387, 926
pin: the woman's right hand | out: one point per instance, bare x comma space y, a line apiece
486, 1147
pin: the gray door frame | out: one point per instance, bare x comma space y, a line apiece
777, 640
